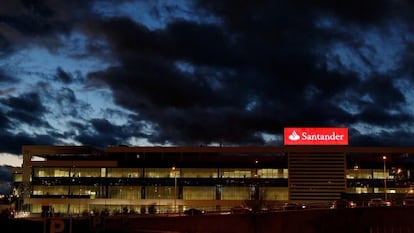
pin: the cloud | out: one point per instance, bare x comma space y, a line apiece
101, 132
4, 121
63, 76
29, 22
12, 143
27, 109
232, 76
198, 82
6, 83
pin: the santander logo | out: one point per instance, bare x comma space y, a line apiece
316, 136
294, 136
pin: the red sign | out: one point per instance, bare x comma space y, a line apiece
316, 136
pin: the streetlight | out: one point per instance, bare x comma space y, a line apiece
384, 158
175, 188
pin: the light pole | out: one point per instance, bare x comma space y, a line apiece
80, 191
175, 188
384, 158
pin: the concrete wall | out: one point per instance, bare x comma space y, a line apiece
360, 220
308, 221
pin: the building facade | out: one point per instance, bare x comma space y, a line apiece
79, 179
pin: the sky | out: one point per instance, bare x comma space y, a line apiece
202, 72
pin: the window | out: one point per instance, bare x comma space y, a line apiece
235, 193
85, 172
272, 173
50, 172
161, 173
199, 173
236, 173
125, 192
125, 172
199, 193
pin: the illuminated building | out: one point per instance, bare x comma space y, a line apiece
78, 179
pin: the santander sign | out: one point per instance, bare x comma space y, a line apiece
316, 136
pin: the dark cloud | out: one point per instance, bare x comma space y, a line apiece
253, 70
66, 97
257, 71
27, 109
29, 102
7, 79
29, 22
12, 143
214, 46
4, 121
388, 138
31, 25
357, 12
62, 101
101, 132
4, 44
371, 11
63, 76
38, 8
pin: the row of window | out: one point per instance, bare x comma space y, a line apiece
162, 192
160, 172
393, 173
196, 173
187, 192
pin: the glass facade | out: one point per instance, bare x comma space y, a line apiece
236, 173
161, 173
199, 193
273, 173
192, 184
358, 181
274, 193
199, 172
159, 192
361, 181
50, 190
159, 176
124, 172
51, 172
125, 192
85, 172
236, 193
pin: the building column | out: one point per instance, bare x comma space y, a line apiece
143, 192
218, 192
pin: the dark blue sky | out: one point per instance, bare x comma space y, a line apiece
191, 72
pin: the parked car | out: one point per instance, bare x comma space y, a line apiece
7, 213
240, 210
294, 206
378, 202
408, 200
193, 212
342, 203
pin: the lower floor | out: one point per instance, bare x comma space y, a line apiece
62, 207
168, 199
124, 192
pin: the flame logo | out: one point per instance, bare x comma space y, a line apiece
294, 136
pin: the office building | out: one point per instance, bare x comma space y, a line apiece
80, 179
